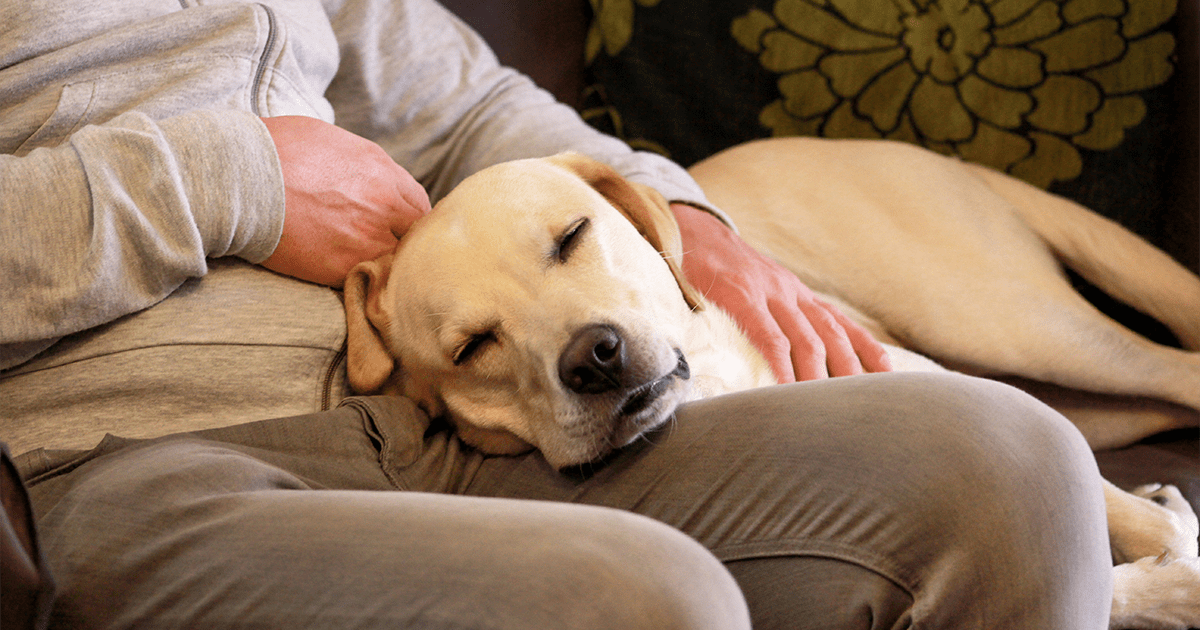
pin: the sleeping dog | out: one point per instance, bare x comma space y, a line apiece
487, 314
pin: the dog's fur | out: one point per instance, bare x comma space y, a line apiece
961, 263
542, 305
489, 272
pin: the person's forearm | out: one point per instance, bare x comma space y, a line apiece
121, 214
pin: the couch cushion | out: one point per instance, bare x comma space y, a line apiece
1079, 97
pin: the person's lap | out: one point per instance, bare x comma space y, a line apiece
968, 501
880, 499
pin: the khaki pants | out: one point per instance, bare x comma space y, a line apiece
883, 501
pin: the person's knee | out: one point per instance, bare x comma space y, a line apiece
638, 573
1001, 446
1013, 414
989, 430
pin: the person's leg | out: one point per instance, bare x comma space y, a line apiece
860, 502
869, 502
191, 532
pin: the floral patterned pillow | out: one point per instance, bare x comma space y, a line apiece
1073, 95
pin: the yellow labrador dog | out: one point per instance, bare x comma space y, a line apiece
541, 305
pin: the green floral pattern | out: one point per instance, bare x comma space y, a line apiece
612, 26
1020, 85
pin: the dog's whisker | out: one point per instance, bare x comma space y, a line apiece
705, 292
668, 255
669, 426
440, 317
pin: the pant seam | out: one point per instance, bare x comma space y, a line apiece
875, 562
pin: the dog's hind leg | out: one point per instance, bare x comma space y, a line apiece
1031, 323
1109, 256
1149, 522
1136, 273
1109, 421
1079, 347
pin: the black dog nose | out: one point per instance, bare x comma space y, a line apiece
593, 360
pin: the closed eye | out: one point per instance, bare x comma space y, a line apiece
472, 346
570, 239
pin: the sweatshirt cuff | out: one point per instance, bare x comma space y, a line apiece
233, 181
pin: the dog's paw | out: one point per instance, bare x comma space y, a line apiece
1156, 594
1169, 497
1152, 520
1185, 545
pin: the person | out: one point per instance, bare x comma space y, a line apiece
176, 204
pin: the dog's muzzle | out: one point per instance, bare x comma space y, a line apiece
623, 392
596, 361
644, 396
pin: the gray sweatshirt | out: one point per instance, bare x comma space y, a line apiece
138, 187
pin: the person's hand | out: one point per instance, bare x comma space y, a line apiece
801, 336
346, 200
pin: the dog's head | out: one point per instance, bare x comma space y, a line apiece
540, 304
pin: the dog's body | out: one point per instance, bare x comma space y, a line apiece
542, 305
961, 263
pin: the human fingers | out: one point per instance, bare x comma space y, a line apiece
780, 345
871, 353
415, 201
841, 359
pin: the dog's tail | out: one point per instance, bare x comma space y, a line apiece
1112, 258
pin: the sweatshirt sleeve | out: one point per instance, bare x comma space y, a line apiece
421, 83
118, 216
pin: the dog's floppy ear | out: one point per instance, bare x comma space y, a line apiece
645, 208
368, 363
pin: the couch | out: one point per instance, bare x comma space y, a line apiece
1101, 106
1107, 114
